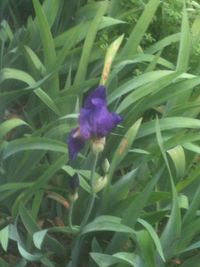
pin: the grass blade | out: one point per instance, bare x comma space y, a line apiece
139, 30
88, 44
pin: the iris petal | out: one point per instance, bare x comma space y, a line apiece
99, 93
75, 143
84, 122
97, 122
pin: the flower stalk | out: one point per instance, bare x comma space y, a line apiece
93, 195
73, 196
71, 207
76, 251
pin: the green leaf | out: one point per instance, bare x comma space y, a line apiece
194, 175
85, 185
126, 257
42, 181
9, 125
196, 245
9, 73
28, 256
139, 30
190, 230
14, 186
38, 238
183, 201
51, 8
178, 157
27, 220
184, 53
33, 143
195, 30
107, 223
4, 237
124, 145
135, 208
88, 44
172, 229
121, 188
104, 260
136, 82
193, 207
34, 60
32, 227
146, 90
119, 155
5, 31
184, 50
146, 247
154, 236
159, 45
69, 170
82, 30
192, 147
45, 35
48, 45
169, 123
13, 234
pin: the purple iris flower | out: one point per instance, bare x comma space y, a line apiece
95, 121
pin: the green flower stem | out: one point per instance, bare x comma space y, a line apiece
71, 207
89, 210
93, 196
78, 244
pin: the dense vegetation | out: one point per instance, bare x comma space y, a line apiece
136, 203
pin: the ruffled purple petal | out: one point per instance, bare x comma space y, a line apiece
97, 122
96, 97
75, 143
116, 118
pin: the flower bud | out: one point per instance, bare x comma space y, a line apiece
106, 166
100, 183
73, 197
73, 187
98, 145
74, 183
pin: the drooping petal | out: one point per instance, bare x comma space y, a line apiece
75, 143
99, 94
84, 123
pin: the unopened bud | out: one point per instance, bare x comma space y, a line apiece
73, 197
98, 145
106, 166
74, 184
100, 184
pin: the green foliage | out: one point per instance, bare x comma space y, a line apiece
52, 54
